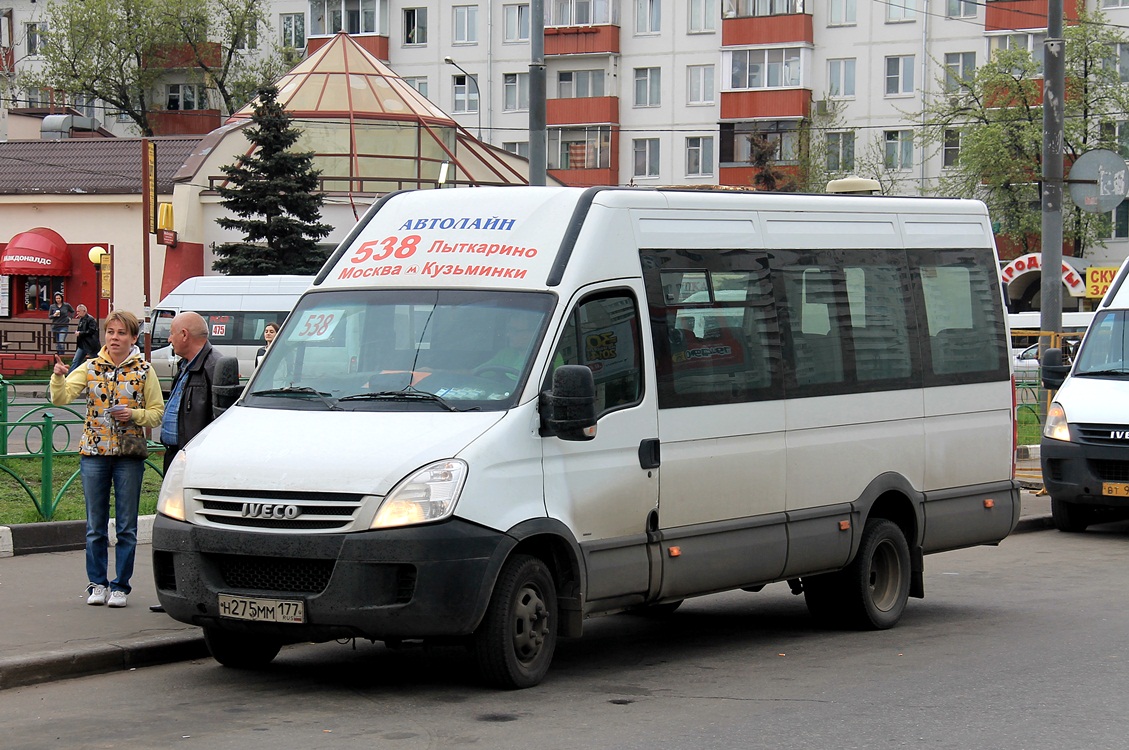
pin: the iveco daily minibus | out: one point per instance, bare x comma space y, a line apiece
499, 412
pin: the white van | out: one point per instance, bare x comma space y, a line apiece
237, 309
500, 411
1084, 451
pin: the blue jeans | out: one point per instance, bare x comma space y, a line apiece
60, 336
80, 356
98, 474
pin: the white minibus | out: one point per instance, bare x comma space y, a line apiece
499, 412
237, 310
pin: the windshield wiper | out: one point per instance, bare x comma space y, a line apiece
404, 396
1113, 371
300, 390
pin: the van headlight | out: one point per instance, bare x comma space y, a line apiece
1057, 428
171, 500
428, 495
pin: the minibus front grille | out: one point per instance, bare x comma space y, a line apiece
279, 511
273, 574
1111, 471
1103, 434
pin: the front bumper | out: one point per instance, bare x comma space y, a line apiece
413, 582
1074, 472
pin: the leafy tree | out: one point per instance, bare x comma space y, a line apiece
768, 176
273, 190
998, 115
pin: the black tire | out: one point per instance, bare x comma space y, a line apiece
515, 642
240, 651
1069, 517
875, 585
824, 596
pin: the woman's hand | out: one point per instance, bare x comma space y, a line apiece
60, 368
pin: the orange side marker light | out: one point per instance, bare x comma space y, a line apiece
674, 551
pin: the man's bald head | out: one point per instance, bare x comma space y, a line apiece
188, 333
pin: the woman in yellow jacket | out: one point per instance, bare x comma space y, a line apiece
122, 397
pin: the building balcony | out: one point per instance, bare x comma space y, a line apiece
1011, 15
602, 39
744, 174
184, 121
586, 177
590, 110
766, 104
375, 44
794, 27
182, 56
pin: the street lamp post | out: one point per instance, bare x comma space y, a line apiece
477, 92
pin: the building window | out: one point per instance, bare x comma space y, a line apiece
842, 13
580, 84
466, 93
415, 25
33, 36
1031, 43
419, 83
247, 38
699, 84
841, 78
899, 75
703, 16
515, 88
40, 98
1115, 3
516, 19
184, 96
1119, 58
699, 156
765, 68
841, 151
647, 16
961, 8
754, 8
950, 148
960, 67
899, 149
581, 12
519, 148
646, 162
84, 104
737, 140
293, 27
901, 10
466, 24
350, 16
580, 148
1118, 220
648, 82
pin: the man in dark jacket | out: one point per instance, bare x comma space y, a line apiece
88, 343
189, 407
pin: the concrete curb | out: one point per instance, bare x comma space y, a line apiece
47, 666
60, 536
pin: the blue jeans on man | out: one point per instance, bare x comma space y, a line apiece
99, 473
80, 356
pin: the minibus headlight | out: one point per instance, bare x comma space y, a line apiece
171, 500
428, 495
1057, 428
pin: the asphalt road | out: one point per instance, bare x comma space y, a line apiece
1020, 646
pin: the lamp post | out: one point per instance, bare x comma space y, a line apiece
477, 92
98, 256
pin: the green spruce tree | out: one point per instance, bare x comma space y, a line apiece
273, 193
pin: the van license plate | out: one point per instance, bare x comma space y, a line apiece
1116, 489
262, 610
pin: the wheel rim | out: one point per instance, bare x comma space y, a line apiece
885, 577
531, 623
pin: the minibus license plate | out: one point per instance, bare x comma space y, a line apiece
262, 610
1116, 489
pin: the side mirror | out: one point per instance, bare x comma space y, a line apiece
1054, 372
569, 409
226, 387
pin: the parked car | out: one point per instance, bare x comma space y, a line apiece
1025, 364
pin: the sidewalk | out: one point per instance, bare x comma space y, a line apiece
49, 632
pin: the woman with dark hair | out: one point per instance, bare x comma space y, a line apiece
269, 333
60, 314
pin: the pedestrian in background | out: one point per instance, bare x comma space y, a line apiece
269, 332
60, 314
123, 397
190, 403
87, 342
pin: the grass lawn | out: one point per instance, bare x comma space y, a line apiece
17, 507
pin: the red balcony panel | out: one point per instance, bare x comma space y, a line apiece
767, 103
178, 56
184, 122
375, 44
581, 40
1010, 15
592, 110
736, 176
586, 177
795, 27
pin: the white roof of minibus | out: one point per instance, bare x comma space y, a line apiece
219, 286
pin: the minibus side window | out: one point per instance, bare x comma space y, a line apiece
602, 333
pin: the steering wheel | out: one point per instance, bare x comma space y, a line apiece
500, 369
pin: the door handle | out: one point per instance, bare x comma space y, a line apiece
649, 453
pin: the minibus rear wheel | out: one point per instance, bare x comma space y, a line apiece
877, 580
238, 650
515, 642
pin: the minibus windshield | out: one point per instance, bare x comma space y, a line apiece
403, 350
1104, 349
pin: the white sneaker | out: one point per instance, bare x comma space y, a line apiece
98, 594
117, 598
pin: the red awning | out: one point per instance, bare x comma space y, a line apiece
36, 252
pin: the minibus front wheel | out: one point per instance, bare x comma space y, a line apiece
515, 642
240, 651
